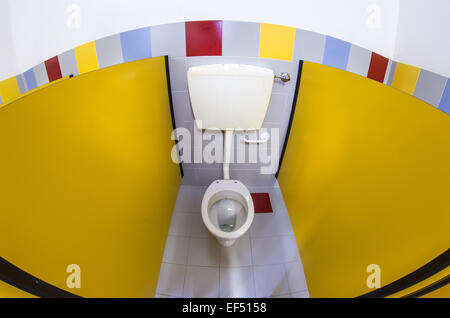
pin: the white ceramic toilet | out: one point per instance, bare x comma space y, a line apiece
229, 97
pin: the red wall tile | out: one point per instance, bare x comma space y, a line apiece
203, 38
377, 67
53, 69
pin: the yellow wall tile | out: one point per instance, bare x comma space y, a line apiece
86, 56
276, 42
405, 77
9, 90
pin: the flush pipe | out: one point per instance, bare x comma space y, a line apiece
227, 144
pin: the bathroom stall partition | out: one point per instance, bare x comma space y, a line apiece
365, 178
88, 183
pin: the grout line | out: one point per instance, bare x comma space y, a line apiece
287, 277
253, 266
185, 269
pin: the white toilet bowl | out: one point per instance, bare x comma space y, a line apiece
227, 210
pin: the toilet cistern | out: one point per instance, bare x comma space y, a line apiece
229, 97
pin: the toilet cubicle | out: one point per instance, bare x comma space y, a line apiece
364, 172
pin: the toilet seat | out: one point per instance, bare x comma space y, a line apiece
227, 189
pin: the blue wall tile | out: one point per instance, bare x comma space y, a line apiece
444, 105
136, 44
30, 79
336, 53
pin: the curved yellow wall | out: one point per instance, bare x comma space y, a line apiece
8, 291
366, 180
87, 179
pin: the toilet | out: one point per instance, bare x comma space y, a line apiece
229, 98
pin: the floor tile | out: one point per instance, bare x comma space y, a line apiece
171, 279
176, 250
301, 294
296, 277
283, 296
237, 282
270, 280
201, 282
198, 228
203, 252
261, 202
239, 254
270, 224
181, 224
273, 249
164, 296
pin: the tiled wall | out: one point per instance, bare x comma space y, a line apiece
230, 38
277, 117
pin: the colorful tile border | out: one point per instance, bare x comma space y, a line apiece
232, 38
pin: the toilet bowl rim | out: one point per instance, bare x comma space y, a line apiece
227, 185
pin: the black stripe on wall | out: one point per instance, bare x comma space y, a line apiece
169, 92
18, 278
439, 284
291, 118
435, 266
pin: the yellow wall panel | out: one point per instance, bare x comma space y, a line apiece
276, 42
8, 291
365, 179
443, 292
86, 56
405, 78
87, 179
9, 90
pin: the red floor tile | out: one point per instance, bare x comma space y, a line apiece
261, 202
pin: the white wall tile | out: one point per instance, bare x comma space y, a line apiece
189, 199
177, 69
182, 107
168, 39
